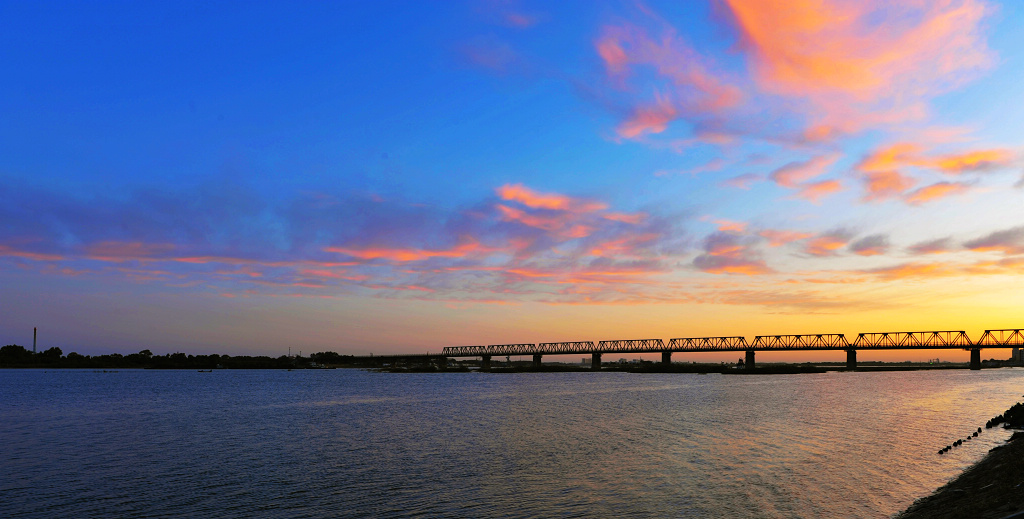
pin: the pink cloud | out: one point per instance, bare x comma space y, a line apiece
649, 119
631, 218
778, 238
743, 181
125, 251
694, 88
815, 191
792, 174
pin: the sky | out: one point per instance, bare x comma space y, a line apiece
396, 177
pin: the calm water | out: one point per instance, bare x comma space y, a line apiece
345, 443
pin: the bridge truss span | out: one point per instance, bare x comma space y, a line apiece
685, 344
1012, 337
948, 339
494, 349
630, 346
555, 348
819, 341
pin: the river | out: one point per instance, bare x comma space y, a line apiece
348, 443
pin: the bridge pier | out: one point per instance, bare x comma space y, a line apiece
536, 360
975, 358
666, 357
442, 363
851, 359
749, 363
485, 363
595, 361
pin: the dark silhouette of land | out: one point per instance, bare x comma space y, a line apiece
989, 489
14, 356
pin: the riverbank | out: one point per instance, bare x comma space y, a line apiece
992, 488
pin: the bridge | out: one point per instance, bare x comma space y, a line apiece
930, 340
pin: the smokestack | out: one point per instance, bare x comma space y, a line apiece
33, 339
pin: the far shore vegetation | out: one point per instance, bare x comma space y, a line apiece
15, 356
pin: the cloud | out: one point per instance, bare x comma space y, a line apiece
980, 160
815, 191
653, 118
536, 200
743, 181
827, 244
726, 253
777, 238
1007, 241
935, 192
794, 173
873, 245
937, 246
323, 246
686, 85
861, 63
891, 157
883, 185
914, 270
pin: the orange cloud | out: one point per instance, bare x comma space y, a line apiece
779, 238
406, 255
891, 157
727, 254
885, 184
872, 53
914, 270
974, 161
825, 245
554, 201
817, 190
935, 191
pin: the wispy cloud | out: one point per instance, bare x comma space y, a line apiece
935, 191
874, 245
1007, 241
727, 253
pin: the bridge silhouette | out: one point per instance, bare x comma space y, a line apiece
930, 340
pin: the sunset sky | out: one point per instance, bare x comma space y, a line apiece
391, 177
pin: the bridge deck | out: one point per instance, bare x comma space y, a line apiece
930, 340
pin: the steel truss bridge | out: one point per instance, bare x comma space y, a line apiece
932, 340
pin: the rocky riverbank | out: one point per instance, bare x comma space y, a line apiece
991, 489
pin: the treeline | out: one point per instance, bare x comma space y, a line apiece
14, 356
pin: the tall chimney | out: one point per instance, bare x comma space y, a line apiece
33, 339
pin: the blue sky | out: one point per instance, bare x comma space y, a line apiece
400, 176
